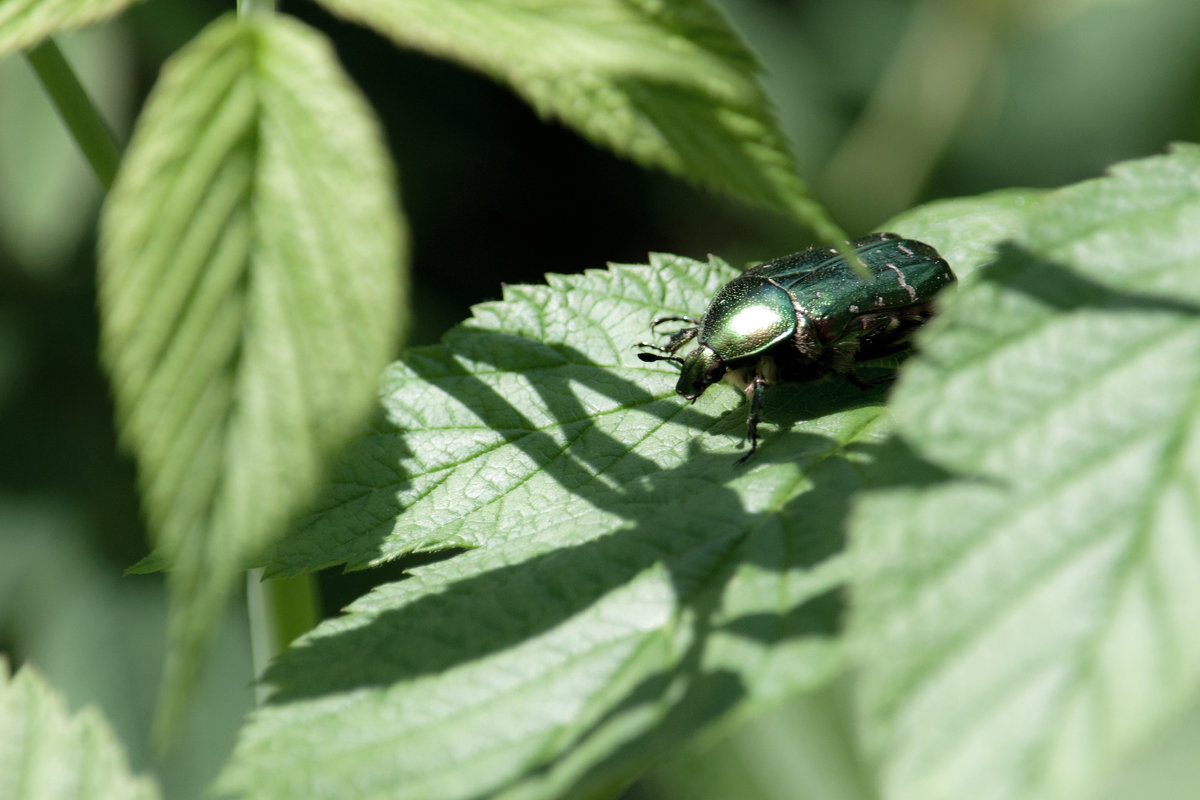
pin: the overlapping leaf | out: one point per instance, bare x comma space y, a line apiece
250, 260
46, 753
669, 85
1036, 615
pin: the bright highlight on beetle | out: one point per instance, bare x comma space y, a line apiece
805, 316
751, 319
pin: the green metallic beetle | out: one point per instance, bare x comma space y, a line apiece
804, 316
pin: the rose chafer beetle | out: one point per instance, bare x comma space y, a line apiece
805, 316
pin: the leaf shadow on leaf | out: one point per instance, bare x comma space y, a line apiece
686, 521
1066, 289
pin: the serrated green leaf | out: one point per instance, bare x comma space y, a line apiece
47, 753
25, 23
618, 598
626, 584
541, 396
249, 293
669, 85
1025, 624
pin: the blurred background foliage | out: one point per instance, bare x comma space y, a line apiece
888, 103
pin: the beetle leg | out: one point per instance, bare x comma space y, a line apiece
871, 326
681, 337
660, 320
887, 335
675, 341
755, 390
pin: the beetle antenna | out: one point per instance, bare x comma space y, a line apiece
651, 357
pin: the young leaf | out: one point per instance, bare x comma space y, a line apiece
1032, 617
25, 23
669, 85
47, 753
249, 294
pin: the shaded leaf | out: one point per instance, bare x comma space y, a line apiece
1035, 616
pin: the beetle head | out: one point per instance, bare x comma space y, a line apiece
701, 368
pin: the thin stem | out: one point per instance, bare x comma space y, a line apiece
941, 62
245, 7
77, 110
280, 610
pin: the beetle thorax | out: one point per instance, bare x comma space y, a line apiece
746, 317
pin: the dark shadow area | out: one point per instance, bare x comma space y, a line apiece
339, 588
820, 616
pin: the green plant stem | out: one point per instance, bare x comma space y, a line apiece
245, 7
280, 610
77, 110
942, 59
